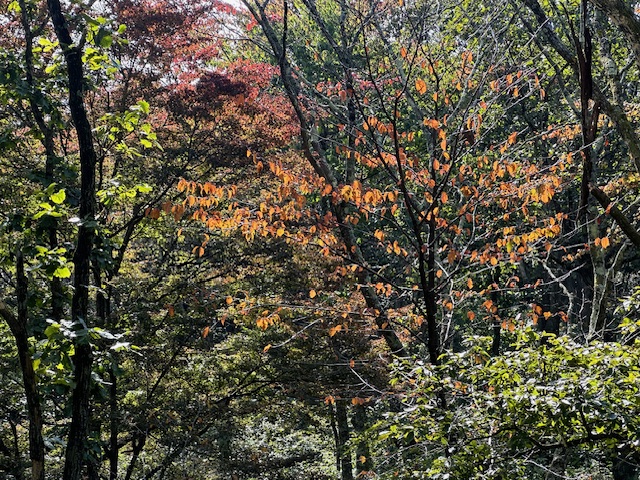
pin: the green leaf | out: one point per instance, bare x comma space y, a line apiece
105, 40
144, 106
14, 7
52, 330
58, 197
62, 272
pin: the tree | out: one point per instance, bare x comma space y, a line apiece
318, 238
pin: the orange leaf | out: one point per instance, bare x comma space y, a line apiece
604, 242
469, 283
312, 294
431, 123
205, 332
421, 86
512, 138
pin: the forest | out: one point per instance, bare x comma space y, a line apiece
319, 239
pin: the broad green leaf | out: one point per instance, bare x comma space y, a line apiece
58, 197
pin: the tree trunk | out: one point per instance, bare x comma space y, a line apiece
36, 99
622, 15
18, 327
113, 420
346, 467
364, 461
78, 432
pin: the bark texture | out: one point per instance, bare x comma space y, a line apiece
79, 429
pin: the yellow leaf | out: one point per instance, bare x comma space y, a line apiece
312, 294
267, 348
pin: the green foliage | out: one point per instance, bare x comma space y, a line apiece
221, 338
478, 416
